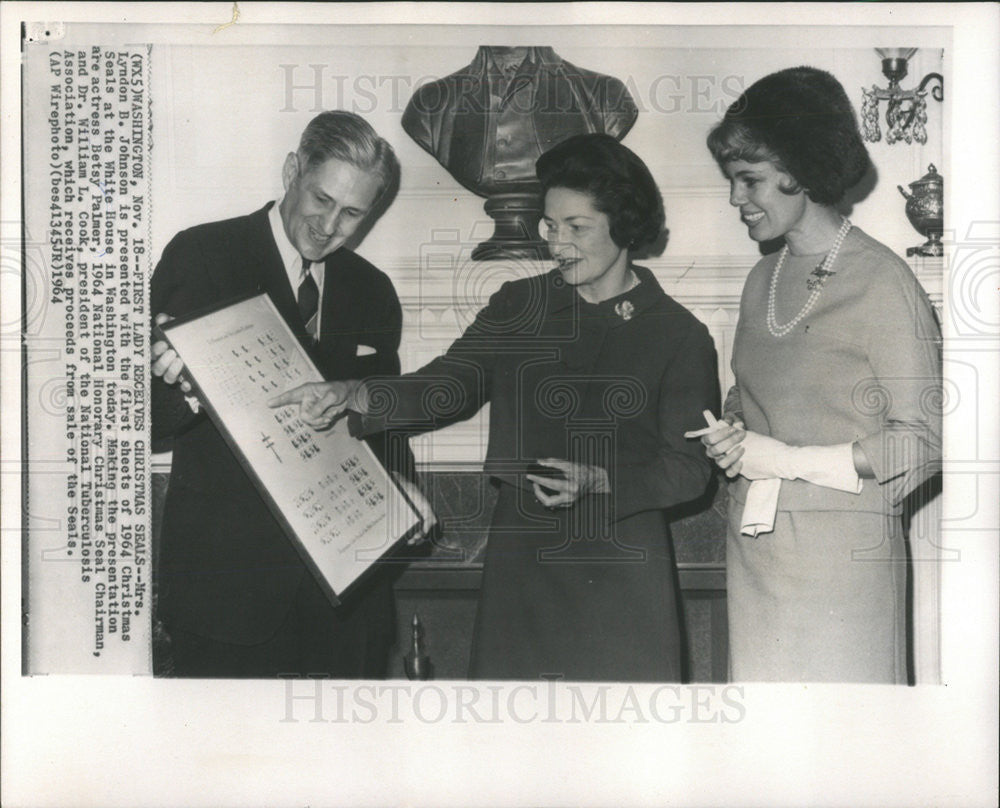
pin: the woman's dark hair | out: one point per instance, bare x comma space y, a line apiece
800, 119
615, 179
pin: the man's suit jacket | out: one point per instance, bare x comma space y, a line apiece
226, 569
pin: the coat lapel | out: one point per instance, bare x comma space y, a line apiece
340, 319
269, 271
273, 278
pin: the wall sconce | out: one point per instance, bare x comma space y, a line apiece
906, 110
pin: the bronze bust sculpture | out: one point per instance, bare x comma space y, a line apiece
489, 122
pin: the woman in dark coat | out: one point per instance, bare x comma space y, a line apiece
592, 374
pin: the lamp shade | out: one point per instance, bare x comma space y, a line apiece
895, 53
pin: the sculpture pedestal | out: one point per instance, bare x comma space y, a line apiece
515, 235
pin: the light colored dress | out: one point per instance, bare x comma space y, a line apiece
822, 598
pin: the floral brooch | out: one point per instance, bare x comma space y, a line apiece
821, 276
625, 310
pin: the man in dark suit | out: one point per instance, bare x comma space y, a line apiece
234, 598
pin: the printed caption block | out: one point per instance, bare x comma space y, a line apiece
87, 515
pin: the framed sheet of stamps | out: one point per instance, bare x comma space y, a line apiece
335, 500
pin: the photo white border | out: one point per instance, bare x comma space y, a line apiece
108, 741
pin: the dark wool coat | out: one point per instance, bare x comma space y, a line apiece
587, 593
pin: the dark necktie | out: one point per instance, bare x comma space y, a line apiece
308, 295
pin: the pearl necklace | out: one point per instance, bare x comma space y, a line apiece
823, 271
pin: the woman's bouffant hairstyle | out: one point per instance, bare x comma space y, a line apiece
800, 119
615, 179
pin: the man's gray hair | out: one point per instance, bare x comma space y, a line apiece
351, 139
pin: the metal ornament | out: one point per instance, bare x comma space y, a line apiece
906, 110
925, 210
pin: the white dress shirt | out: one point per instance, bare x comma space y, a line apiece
292, 261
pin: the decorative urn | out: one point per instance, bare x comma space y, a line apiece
925, 210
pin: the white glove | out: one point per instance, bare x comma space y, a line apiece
760, 507
829, 466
